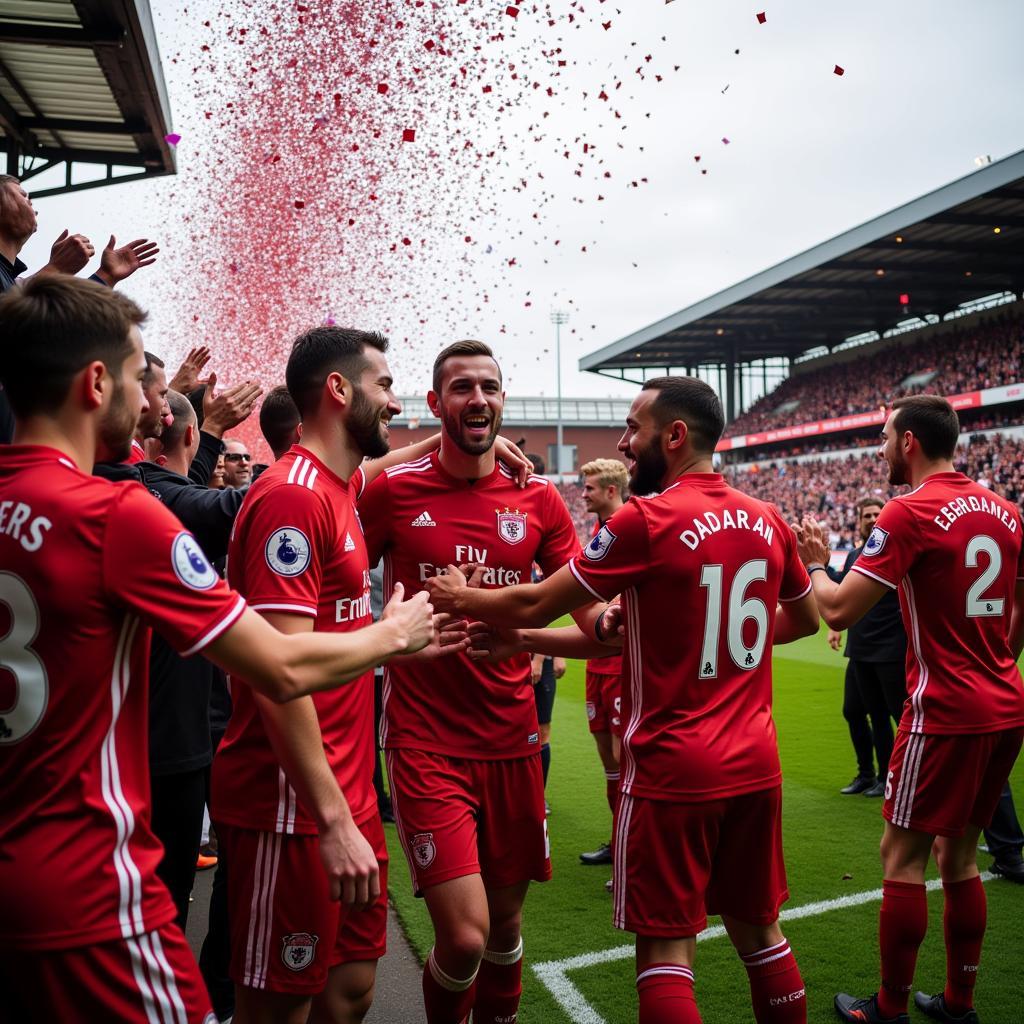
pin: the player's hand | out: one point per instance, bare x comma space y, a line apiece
536, 668
444, 589
118, 263
229, 408
491, 643
451, 635
351, 865
69, 254
812, 541
415, 618
559, 667
835, 639
612, 624
514, 459
187, 378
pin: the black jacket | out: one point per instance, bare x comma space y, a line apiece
880, 635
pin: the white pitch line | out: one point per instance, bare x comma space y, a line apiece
554, 973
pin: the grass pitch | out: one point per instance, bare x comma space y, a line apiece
827, 837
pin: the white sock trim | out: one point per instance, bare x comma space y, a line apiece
672, 969
612, 776
505, 959
444, 980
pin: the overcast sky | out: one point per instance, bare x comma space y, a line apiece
928, 86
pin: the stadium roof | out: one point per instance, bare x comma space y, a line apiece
948, 247
80, 83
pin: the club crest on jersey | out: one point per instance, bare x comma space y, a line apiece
511, 525
298, 950
190, 564
423, 848
876, 541
287, 551
600, 544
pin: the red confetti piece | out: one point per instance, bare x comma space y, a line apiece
696, 159
409, 135
406, 241
725, 140
512, 12
606, 25
762, 18
382, 88
173, 139
429, 44
299, 204
839, 71
487, 88
704, 170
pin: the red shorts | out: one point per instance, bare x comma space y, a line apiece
675, 863
604, 702
941, 784
152, 977
286, 931
458, 816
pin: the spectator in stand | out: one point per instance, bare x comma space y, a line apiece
876, 680
68, 255
280, 422
157, 415
237, 464
217, 481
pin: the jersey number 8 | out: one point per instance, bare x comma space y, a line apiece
31, 687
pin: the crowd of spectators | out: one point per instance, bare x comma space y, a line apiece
831, 488
987, 354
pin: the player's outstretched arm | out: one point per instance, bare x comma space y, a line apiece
504, 449
492, 643
841, 604
285, 667
796, 619
524, 606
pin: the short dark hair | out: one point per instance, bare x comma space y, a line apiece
537, 462
932, 421
868, 502
279, 416
322, 351
52, 327
151, 361
459, 348
695, 403
182, 415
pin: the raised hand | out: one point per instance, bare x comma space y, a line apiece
187, 379
415, 617
69, 254
812, 542
118, 263
228, 409
492, 643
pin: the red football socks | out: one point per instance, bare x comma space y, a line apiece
776, 987
498, 987
902, 924
666, 995
964, 924
446, 1000
611, 785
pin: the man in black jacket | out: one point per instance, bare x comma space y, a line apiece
876, 682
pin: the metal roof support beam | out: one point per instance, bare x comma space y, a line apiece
59, 35
70, 124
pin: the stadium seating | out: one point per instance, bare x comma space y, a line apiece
984, 355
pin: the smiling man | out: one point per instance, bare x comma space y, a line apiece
462, 740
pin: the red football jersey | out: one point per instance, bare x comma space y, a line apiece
137, 454
297, 547
701, 568
610, 665
954, 550
88, 567
421, 519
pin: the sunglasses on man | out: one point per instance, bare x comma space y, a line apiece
238, 457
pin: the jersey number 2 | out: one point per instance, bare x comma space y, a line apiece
977, 605
31, 687
740, 610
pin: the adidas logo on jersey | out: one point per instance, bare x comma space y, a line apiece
423, 519
350, 544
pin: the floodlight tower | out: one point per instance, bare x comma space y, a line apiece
558, 317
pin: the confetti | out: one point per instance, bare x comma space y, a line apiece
725, 140
724, 90
299, 204
409, 135
382, 88
839, 71
512, 12
173, 139
762, 18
